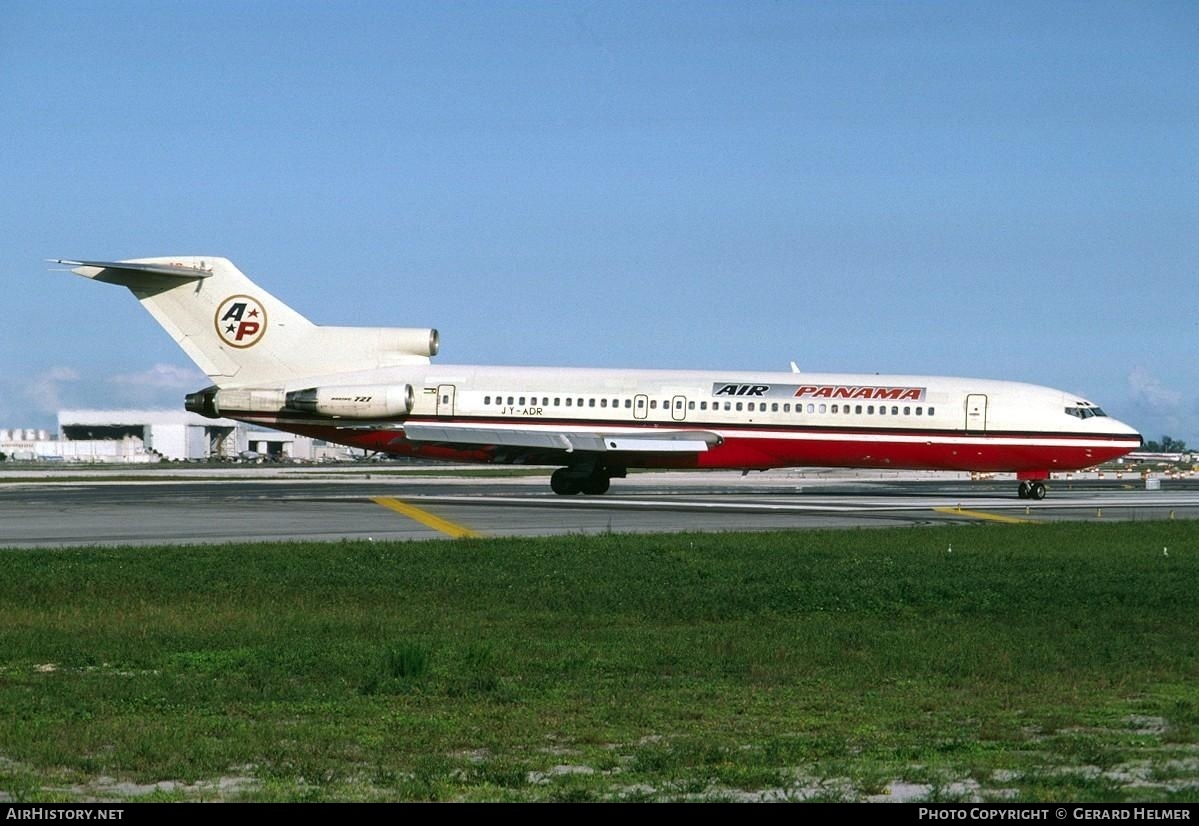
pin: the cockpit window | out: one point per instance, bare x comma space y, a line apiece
1085, 411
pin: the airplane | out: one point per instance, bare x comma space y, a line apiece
377, 388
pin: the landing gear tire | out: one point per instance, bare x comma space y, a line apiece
597, 485
562, 484
1032, 490
567, 481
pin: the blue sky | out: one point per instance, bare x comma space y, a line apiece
1003, 190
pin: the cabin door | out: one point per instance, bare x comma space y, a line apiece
976, 413
445, 400
640, 406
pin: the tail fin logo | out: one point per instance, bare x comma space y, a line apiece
240, 321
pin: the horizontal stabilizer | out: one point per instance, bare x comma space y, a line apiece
126, 272
565, 440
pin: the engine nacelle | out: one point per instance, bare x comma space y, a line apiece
214, 402
355, 401
383, 346
203, 402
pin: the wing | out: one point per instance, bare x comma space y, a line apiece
568, 441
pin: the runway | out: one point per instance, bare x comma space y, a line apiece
329, 506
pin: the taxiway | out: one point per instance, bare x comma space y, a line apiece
358, 504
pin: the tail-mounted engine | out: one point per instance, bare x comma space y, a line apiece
386, 401
355, 402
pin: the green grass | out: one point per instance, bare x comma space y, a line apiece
1055, 662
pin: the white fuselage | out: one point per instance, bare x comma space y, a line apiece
762, 419
377, 388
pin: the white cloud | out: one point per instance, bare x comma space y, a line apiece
1148, 392
34, 399
162, 376
45, 390
1161, 410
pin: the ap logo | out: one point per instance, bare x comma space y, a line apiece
240, 321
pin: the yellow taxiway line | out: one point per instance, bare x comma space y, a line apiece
994, 517
424, 517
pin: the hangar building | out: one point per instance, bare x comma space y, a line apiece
151, 435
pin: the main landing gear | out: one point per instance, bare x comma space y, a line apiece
1032, 490
590, 478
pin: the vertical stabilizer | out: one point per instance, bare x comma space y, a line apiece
228, 325
241, 335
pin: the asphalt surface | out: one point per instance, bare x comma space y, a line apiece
360, 504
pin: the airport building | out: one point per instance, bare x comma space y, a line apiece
93, 436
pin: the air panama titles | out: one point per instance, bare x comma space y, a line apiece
819, 391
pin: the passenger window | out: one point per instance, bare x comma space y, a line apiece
603, 402
834, 410
510, 400
653, 404
522, 399
678, 405
628, 403
640, 403
787, 408
738, 406
774, 407
821, 408
750, 406
690, 405
545, 402
870, 410
557, 401
728, 405
858, 409
907, 411
703, 405
882, 410
591, 402
568, 401
811, 408
919, 411
487, 400
930, 411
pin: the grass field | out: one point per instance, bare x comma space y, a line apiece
1051, 662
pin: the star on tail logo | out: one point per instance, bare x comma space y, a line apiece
240, 321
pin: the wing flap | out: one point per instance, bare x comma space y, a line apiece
694, 441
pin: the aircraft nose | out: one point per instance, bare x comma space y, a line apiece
1122, 429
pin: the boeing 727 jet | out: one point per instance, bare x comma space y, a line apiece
377, 388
